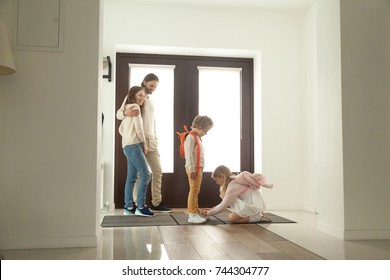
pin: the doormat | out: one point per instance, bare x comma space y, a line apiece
137, 221
182, 219
174, 219
274, 219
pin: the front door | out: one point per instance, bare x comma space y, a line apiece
221, 88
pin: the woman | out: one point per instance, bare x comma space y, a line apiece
240, 194
135, 149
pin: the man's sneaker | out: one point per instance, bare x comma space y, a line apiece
144, 212
196, 219
129, 210
161, 208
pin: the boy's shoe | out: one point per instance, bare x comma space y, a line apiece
196, 219
129, 210
161, 208
144, 212
207, 218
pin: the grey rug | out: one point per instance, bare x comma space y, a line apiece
137, 221
274, 219
174, 219
182, 219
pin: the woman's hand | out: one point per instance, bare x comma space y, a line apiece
145, 148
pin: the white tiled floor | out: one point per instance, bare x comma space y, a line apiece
302, 233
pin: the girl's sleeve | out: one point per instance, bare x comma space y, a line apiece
232, 192
119, 113
189, 145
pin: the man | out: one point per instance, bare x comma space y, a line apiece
150, 83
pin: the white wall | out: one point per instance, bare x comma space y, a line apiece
48, 137
330, 143
277, 35
353, 118
365, 53
310, 182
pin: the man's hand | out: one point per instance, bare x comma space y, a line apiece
131, 112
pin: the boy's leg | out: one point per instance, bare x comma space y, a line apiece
192, 201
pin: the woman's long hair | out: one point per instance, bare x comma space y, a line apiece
224, 172
131, 96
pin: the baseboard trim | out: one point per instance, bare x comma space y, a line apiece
357, 234
367, 234
13, 243
331, 230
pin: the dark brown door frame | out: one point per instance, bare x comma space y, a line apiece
175, 185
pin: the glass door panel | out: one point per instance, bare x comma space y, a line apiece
162, 99
220, 99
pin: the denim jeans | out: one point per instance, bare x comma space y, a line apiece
136, 164
153, 159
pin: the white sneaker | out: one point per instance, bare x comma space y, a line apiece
207, 218
196, 219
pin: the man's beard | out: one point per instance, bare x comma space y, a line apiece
147, 91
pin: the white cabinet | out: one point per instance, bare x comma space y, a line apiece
38, 25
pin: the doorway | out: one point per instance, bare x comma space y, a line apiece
196, 86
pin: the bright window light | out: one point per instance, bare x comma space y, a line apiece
220, 99
162, 99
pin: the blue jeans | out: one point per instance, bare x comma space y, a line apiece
136, 164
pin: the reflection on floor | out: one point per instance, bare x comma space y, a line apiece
217, 242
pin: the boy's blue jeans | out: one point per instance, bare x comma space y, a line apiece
136, 164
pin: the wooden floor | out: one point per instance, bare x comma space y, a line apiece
238, 242
204, 242
275, 241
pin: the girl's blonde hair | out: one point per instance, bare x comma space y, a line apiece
202, 122
224, 172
